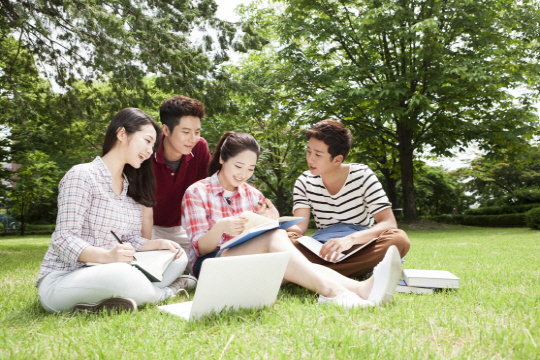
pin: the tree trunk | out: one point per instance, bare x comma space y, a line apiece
23, 225
391, 190
280, 204
406, 156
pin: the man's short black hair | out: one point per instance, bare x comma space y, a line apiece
173, 109
334, 134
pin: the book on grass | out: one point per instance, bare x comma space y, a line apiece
257, 225
402, 287
152, 263
315, 246
431, 278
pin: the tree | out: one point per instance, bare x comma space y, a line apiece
504, 179
264, 110
118, 41
412, 75
438, 192
34, 183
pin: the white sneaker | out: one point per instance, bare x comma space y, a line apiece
386, 275
348, 300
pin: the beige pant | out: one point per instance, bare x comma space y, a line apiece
175, 233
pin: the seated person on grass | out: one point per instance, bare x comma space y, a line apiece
210, 214
180, 160
348, 202
94, 200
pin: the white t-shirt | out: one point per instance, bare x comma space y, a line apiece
356, 202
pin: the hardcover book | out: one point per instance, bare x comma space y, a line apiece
431, 278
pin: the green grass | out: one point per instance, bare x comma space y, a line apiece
495, 314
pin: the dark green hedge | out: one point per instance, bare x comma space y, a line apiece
49, 227
533, 218
500, 210
505, 220
29, 232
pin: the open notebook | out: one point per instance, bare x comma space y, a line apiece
249, 281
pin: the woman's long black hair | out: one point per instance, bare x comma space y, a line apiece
142, 183
231, 144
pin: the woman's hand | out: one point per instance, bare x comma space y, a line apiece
232, 225
120, 253
163, 244
266, 208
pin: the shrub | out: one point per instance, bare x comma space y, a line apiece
500, 210
34, 227
504, 220
533, 218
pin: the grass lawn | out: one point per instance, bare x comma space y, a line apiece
495, 314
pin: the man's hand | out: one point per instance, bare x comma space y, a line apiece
331, 250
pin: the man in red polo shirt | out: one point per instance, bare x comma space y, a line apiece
181, 160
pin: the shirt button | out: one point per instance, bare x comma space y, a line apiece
172, 174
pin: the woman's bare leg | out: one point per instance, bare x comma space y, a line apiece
300, 270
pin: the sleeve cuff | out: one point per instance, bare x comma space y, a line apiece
300, 206
138, 242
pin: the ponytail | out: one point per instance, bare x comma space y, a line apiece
214, 163
230, 145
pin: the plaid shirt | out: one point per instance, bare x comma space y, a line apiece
203, 205
88, 209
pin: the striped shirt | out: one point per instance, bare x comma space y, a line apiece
356, 202
88, 209
204, 204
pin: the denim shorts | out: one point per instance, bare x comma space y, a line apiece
336, 231
199, 261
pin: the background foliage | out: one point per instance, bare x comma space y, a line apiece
408, 78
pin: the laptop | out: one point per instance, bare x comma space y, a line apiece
247, 282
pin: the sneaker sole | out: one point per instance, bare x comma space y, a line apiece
117, 304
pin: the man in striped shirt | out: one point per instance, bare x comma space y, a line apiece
348, 202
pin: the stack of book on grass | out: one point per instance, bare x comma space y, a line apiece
426, 281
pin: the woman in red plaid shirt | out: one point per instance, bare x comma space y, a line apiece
210, 214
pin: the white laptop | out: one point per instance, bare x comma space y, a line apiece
248, 281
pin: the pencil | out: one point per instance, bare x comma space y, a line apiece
121, 242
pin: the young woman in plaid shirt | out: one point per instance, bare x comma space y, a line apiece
210, 214
96, 199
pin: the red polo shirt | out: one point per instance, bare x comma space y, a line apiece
171, 186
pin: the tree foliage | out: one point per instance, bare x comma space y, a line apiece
438, 192
121, 41
412, 76
505, 179
34, 183
266, 110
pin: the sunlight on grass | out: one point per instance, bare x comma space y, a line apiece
495, 314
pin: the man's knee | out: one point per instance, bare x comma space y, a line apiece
398, 238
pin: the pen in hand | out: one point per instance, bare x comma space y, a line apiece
121, 242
